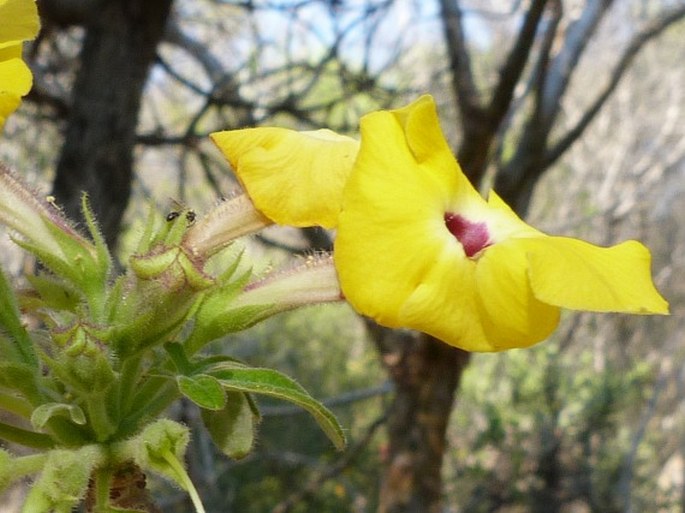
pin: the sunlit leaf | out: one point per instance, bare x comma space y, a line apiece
274, 384
203, 390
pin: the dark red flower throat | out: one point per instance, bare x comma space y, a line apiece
474, 237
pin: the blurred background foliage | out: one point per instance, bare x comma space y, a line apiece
593, 419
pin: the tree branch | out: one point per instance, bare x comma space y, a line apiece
577, 37
513, 67
460, 60
651, 30
67, 12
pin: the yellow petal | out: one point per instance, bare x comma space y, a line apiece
15, 80
396, 260
15, 76
511, 315
8, 104
390, 207
445, 304
575, 274
18, 21
293, 178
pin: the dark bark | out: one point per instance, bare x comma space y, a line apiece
97, 156
426, 373
66, 12
128, 490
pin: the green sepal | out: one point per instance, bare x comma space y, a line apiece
42, 415
233, 428
104, 257
53, 294
274, 384
10, 322
88, 372
147, 238
84, 356
22, 378
141, 324
217, 317
152, 265
172, 231
225, 277
203, 390
172, 266
78, 264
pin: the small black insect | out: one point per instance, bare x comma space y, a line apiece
190, 216
172, 215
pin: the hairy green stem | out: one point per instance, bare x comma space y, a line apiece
130, 374
100, 419
148, 405
103, 481
183, 479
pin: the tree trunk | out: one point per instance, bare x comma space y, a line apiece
426, 373
97, 156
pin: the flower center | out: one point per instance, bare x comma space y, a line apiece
474, 237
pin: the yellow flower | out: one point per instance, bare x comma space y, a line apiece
418, 247
18, 23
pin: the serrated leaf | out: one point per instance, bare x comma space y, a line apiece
274, 384
42, 415
232, 428
203, 390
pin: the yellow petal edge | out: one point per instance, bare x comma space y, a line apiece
18, 23
293, 178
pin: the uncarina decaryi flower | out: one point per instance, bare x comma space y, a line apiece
418, 247
18, 23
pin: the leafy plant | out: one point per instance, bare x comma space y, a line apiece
90, 358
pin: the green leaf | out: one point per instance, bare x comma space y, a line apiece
10, 322
232, 428
274, 384
203, 390
42, 414
54, 293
